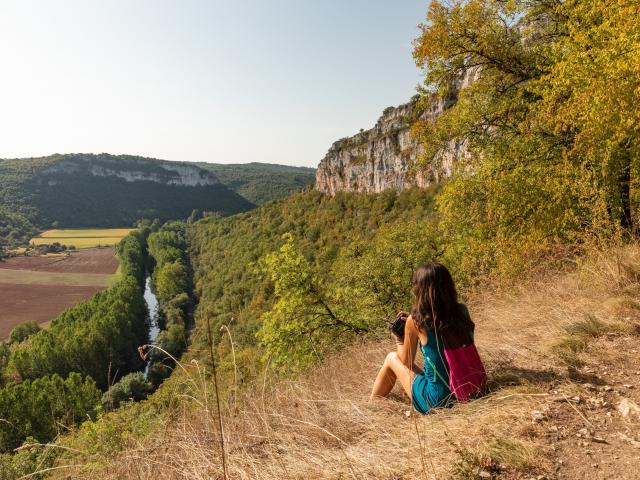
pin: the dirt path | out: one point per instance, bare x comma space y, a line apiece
587, 433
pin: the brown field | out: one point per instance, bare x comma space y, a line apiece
91, 260
42, 303
40, 288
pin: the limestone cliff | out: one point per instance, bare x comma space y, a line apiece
380, 158
128, 168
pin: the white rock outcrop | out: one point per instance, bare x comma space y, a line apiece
381, 158
132, 169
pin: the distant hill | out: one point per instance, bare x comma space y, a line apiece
85, 190
262, 182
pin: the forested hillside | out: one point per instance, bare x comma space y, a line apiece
104, 191
308, 273
262, 182
18, 217
113, 191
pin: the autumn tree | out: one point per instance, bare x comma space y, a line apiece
545, 115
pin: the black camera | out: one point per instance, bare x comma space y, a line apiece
397, 326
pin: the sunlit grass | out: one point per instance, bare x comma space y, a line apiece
86, 238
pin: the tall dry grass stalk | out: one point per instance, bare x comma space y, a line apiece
323, 425
217, 398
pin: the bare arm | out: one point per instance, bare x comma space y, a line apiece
407, 350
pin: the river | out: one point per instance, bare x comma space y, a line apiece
152, 306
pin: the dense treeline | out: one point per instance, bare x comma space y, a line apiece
98, 337
53, 377
342, 269
550, 124
262, 182
132, 254
171, 281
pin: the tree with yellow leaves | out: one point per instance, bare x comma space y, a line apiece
547, 111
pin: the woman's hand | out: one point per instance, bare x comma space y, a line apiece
398, 326
404, 315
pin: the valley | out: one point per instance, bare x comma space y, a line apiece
183, 320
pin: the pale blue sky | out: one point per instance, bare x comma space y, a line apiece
219, 81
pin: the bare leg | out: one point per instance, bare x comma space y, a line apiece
406, 356
393, 369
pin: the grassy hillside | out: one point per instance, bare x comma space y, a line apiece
560, 351
102, 191
262, 182
554, 346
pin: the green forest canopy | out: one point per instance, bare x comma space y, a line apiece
262, 182
32, 199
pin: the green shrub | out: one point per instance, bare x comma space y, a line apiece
132, 387
23, 331
40, 408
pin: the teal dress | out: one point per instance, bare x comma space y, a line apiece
431, 388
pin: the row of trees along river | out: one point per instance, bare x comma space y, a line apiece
88, 360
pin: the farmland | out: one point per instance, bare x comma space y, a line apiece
39, 288
82, 238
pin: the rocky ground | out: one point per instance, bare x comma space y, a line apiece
591, 426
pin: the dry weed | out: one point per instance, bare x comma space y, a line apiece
323, 425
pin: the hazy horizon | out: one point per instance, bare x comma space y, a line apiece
157, 158
201, 81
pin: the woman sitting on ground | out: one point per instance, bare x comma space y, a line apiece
436, 318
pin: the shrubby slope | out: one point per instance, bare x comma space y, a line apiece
560, 355
262, 182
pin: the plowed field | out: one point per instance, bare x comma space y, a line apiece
40, 288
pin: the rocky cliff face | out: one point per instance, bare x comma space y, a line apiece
130, 169
380, 158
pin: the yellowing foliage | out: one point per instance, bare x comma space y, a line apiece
549, 121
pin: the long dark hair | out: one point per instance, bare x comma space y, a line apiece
437, 308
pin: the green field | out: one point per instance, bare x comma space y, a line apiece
87, 238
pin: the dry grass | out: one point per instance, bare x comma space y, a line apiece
324, 425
